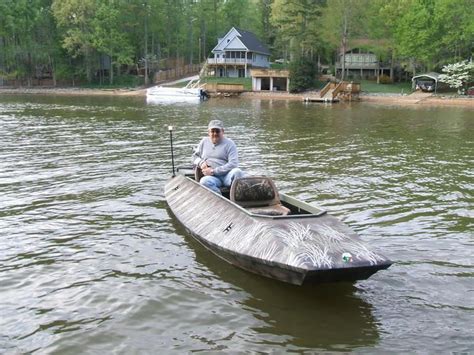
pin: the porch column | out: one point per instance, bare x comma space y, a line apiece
271, 83
246, 53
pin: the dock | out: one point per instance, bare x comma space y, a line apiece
319, 99
335, 92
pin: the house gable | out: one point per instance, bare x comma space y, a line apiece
235, 44
237, 39
222, 42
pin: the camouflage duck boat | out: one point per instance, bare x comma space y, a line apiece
254, 227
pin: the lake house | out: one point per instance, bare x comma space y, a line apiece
236, 53
361, 64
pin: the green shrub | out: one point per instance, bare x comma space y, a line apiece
302, 75
385, 79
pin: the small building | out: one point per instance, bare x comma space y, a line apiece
361, 64
270, 80
236, 53
427, 82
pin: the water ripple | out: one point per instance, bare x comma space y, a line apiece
92, 260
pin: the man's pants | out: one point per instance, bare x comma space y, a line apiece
217, 181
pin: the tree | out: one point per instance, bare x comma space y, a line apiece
296, 23
302, 74
458, 75
108, 38
456, 24
381, 19
242, 14
75, 19
27, 35
417, 35
343, 20
268, 31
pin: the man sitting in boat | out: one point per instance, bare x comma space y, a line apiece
217, 157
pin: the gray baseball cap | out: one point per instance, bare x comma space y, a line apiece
215, 124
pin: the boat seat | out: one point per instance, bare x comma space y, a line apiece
259, 195
198, 174
225, 190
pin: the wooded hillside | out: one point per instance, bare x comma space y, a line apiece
78, 40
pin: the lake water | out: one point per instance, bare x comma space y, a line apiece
92, 260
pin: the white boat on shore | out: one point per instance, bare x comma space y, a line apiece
192, 91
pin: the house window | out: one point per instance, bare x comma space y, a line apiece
241, 73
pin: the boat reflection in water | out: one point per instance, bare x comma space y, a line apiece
324, 316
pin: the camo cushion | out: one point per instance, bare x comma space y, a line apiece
258, 194
254, 191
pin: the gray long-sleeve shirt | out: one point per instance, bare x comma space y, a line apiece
221, 157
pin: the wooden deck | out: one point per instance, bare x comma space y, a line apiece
334, 92
224, 88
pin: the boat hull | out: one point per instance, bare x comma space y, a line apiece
159, 93
299, 249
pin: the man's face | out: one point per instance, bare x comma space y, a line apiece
216, 135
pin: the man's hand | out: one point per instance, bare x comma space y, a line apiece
207, 171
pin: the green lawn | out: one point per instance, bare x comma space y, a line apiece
396, 88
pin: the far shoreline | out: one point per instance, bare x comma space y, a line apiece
381, 99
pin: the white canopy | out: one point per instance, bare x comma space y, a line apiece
431, 75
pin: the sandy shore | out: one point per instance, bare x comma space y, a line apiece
421, 99
433, 100
73, 91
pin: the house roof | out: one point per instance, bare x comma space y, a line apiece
244, 38
252, 42
431, 75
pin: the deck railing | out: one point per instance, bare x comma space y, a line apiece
343, 89
230, 61
328, 87
220, 87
